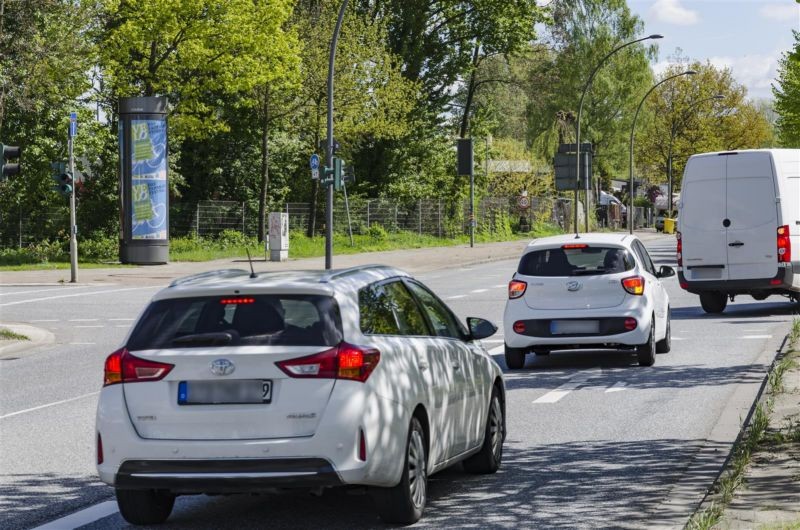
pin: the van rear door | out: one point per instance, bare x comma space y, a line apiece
752, 210
705, 250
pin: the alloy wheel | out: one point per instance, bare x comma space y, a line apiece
417, 469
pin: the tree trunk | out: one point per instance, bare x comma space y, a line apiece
470, 92
262, 202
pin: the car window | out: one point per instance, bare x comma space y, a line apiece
442, 321
580, 261
288, 320
645, 257
389, 309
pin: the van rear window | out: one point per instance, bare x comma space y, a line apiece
584, 261
240, 320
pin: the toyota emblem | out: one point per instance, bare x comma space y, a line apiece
222, 367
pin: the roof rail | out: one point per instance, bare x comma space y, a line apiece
222, 273
352, 270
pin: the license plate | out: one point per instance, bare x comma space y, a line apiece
574, 327
240, 391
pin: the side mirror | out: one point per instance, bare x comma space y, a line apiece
666, 271
480, 328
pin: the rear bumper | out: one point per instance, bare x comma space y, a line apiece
781, 282
226, 476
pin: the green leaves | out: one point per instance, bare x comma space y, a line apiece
787, 97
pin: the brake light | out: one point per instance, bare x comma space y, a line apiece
630, 324
570, 246
784, 245
634, 285
237, 301
516, 288
679, 250
122, 367
343, 362
99, 449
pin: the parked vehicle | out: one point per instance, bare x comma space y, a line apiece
239, 383
598, 292
739, 220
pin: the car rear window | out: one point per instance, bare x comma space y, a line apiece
589, 260
240, 320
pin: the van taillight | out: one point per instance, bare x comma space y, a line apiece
343, 362
122, 367
784, 245
679, 250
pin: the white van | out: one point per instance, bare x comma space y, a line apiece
738, 224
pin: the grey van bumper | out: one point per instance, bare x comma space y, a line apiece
781, 282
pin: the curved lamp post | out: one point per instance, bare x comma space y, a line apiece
673, 132
633, 128
578, 126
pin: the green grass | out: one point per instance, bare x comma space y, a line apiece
7, 334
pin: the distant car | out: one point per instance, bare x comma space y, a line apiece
659, 222
232, 383
597, 292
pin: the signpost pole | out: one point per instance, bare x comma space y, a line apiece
73, 226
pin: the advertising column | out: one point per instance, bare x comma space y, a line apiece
144, 185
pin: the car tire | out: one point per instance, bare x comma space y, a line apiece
144, 507
488, 459
713, 302
404, 503
647, 352
665, 344
515, 358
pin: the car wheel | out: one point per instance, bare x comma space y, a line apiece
403, 504
515, 357
665, 344
144, 507
488, 459
647, 352
713, 302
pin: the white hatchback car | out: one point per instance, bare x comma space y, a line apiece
231, 382
596, 292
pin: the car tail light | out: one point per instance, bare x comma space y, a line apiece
630, 324
784, 245
634, 285
99, 449
519, 326
775, 281
343, 362
122, 367
362, 446
679, 250
516, 288
237, 301
684, 285
570, 246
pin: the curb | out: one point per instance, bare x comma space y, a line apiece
37, 336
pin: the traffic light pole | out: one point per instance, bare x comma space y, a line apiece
73, 226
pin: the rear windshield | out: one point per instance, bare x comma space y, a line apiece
241, 320
584, 261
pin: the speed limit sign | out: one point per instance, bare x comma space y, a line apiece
524, 202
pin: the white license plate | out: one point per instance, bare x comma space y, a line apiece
574, 327
238, 391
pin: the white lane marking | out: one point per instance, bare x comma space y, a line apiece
83, 320
479, 290
45, 320
48, 405
677, 338
492, 340
121, 319
83, 517
456, 297
45, 290
555, 395
756, 337
82, 343
500, 286
617, 387
497, 349
78, 294
122, 326
88, 326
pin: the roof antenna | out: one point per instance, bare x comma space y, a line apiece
250, 260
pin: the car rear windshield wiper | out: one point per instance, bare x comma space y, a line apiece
210, 339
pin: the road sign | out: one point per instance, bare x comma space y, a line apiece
73, 124
314, 163
524, 202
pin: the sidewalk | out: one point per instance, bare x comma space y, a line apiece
411, 260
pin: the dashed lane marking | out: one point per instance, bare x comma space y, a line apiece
617, 387
11, 293
574, 382
83, 517
756, 337
479, 290
456, 297
53, 404
107, 291
82, 343
83, 320
83, 327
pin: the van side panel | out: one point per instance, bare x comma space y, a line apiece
787, 163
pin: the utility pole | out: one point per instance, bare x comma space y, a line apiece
73, 225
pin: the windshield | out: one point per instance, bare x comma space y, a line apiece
587, 260
241, 320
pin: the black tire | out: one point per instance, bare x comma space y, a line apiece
515, 358
665, 344
541, 352
713, 302
489, 458
647, 352
404, 503
144, 507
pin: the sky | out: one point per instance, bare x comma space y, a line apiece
747, 36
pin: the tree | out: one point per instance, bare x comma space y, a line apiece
787, 97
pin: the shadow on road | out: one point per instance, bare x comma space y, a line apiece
740, 310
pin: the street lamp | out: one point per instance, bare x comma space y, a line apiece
673, 132
578, 132
633, 128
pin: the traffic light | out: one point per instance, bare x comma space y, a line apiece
62, 177
10, 152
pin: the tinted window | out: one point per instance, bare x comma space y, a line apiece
389, 309
575, 261
647, 263
288, 320
442, 320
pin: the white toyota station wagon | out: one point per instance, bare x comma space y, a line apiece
232, 382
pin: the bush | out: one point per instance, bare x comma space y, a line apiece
45, 251
99, 249
233, 239
377, 232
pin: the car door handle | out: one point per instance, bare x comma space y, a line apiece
456, 366
736, 244
423, 365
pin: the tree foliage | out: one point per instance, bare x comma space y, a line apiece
787, 97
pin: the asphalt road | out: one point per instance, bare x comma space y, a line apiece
594, 440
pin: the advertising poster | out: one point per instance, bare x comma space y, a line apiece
149, 179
